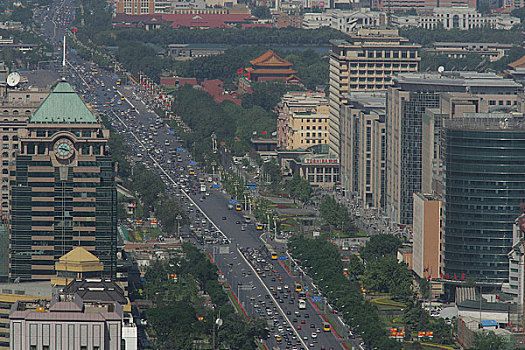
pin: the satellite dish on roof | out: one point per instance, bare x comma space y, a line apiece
441, 69
13, 79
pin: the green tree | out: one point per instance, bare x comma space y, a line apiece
380, 246
424, 288
336, 214
272, 170
262, 12
489, 341
355, 265
299, 188
387, 275
167, 211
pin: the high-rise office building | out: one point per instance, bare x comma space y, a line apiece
366, 62
363, 147
484, 189
62, 190
407, 101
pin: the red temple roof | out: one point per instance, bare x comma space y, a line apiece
270, 59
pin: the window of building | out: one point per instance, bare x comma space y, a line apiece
86, 133
395, 54
387, 54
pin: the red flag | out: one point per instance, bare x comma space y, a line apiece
74, 30
264, 132
240, 70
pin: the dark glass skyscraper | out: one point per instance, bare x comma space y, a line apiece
62, 189
484, 159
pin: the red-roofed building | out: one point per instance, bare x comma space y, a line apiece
206, 21
177, 81
177, 20
148, 22
271, 67
215, 88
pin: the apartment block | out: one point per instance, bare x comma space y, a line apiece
365, 62
407, 101
363, 147
62, 190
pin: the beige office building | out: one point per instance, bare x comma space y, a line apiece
303, 120
363, 147
366, 62
427, 235
305, 129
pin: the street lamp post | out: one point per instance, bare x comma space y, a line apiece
275, 219
268, 212
178, 218
236, 183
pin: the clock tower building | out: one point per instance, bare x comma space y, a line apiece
62, 189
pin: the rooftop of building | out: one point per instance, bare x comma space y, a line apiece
486, 306
63, 106
427, 196
472, 44
79, 260
368, 99
66, 307
304, 99
463, 79
270, 59
510, 122
14, 290
97, 289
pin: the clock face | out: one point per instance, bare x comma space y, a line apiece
63, 149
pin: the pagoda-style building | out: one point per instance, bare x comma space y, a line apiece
272, 67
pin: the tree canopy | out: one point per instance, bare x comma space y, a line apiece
380, 246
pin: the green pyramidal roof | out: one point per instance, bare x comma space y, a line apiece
63, 105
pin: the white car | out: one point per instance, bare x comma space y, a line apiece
314, 335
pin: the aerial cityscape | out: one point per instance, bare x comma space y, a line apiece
262, 174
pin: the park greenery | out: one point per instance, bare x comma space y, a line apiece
233, 125
382, 273
180, 315
427, 37
311, 66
